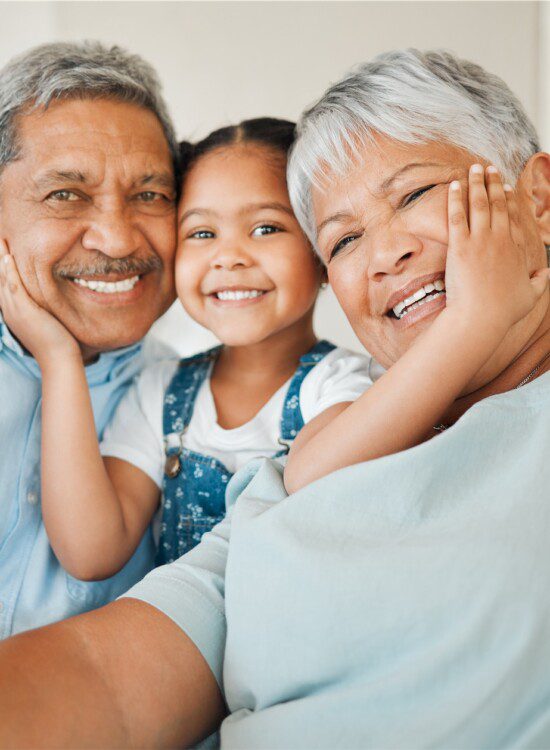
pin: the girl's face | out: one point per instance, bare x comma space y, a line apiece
244, 269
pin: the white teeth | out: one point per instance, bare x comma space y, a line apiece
108, 287
239, 294
419, 298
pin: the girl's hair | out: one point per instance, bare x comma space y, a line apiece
270, 132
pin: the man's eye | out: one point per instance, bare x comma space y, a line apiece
62, 196
201, 234
264, 229
411, 197
150, 196
341, 244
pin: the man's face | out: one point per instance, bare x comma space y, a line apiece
88, 212
382, 232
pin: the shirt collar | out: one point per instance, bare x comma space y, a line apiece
95, 371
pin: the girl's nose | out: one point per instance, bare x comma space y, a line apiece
229, 257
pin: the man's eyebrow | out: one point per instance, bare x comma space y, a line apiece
163, 179
53, 176
388, 182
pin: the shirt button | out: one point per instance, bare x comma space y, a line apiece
32, 498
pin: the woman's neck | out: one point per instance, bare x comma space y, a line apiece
529, 362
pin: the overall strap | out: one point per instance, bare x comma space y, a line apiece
292, 420
180, 397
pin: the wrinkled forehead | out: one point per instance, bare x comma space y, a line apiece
84, 136
376, 168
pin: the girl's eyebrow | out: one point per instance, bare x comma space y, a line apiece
274, 206
198, 211
248, 208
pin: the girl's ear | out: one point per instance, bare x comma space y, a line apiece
535, 180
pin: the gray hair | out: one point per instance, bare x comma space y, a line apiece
412, 97
86, 70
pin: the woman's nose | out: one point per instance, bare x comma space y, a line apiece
391, 252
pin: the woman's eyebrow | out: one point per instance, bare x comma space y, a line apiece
336, 218
388, 182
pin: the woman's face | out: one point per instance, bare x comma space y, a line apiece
382, 232
244, 268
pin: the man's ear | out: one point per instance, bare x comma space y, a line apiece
535, 179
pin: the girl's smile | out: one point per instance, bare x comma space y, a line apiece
244, 268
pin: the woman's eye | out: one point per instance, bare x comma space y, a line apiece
341, 244
265, 229
411, 197
62, 196
201, 234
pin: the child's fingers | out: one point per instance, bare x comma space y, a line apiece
540, 281
478, 202
12, 280
497, 201
457, 220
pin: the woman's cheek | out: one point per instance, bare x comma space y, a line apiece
428, 220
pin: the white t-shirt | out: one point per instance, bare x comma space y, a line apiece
135, 433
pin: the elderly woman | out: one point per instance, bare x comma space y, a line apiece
399, 602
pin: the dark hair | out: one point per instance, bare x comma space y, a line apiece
277, 135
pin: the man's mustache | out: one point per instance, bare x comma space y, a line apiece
103, 266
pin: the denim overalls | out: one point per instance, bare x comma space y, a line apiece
194, 484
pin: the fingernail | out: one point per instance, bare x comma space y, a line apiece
476, 169
508, 188
455, 185
492, 170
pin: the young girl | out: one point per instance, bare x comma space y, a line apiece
245, 271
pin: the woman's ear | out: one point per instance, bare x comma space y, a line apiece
535, 180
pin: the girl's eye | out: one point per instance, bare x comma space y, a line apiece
201, 234
408, 199
341, 244
265, 229
62, 196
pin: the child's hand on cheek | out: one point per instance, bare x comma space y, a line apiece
486, 279
36, 329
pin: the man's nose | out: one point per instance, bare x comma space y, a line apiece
113, 233
391, 252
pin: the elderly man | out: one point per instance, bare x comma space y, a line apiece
87, 207
396, 603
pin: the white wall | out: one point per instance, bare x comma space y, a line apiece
223, 61
544, 74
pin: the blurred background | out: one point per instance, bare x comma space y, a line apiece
221, 62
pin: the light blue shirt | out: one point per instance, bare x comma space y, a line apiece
399, 603
34, 588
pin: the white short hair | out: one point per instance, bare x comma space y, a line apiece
413, 97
